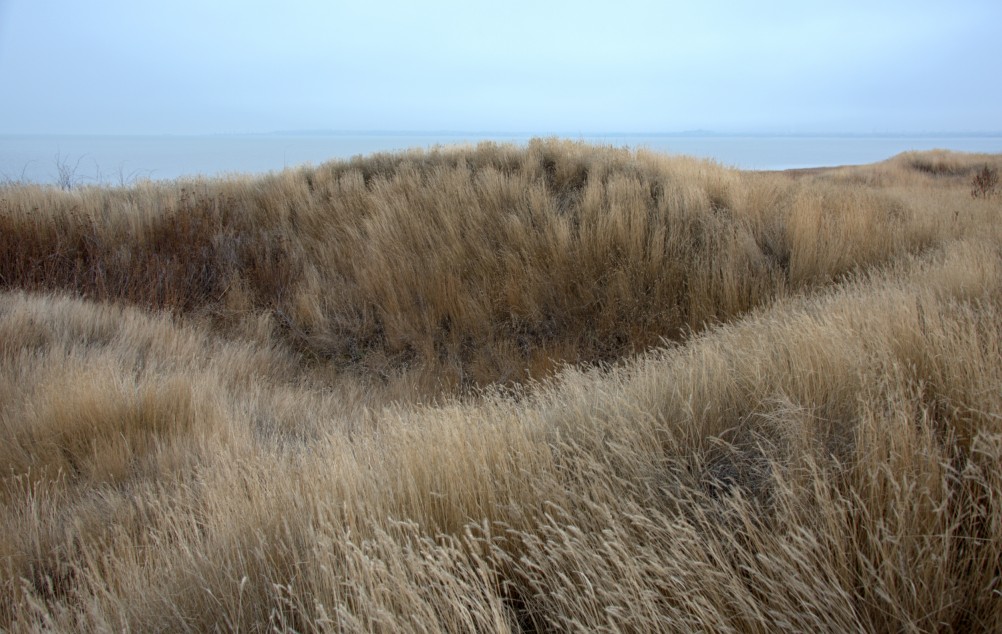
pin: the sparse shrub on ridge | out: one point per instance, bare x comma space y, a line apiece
985, 183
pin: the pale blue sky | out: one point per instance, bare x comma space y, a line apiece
566, 67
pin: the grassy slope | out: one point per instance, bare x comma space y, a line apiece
269, 403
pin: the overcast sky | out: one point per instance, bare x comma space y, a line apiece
566, 67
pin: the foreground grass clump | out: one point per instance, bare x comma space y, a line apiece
335, 398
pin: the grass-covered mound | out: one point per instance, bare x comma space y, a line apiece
339, 397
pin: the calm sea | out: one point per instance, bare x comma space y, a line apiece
122, 159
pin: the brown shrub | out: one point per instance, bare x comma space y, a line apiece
985, 183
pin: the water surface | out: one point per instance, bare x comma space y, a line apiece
123, 159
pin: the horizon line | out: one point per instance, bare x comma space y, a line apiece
524, 134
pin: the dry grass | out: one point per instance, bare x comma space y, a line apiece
338, 399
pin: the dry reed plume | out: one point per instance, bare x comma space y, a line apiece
552, 388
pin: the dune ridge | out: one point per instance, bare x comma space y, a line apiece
551, 388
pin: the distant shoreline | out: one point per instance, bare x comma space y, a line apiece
687, 134
118, 159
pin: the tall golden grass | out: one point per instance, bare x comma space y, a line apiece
550, 388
